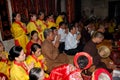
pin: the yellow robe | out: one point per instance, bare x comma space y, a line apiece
51, 24
5, 65
37, 62
58, 20
31, 27
43, 27
18, 73
111, 27
19, 34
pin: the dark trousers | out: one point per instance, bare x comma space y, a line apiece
61, 47
74, 51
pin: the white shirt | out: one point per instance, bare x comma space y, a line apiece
62, 34
70, 42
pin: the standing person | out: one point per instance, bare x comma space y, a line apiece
19, 31
32, 25
19, 70
42, 23
34, 39
71, 41
51, 53
91, 48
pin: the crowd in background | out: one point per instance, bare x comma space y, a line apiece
42, 47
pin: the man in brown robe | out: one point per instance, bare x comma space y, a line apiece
51, 53
91, 48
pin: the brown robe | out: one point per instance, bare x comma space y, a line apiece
52, 55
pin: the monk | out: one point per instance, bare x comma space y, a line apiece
51, 53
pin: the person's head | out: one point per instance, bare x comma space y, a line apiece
48, 34
104, 51
62, 14
101, 28
16, 53
33, 17
16, 16
62, 25
72, 29
54, 29
82, 60
50, 17
36, 49
36, 74
34, 35
2, 48
97, 37
41, 15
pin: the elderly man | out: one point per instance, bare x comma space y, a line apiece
51, 53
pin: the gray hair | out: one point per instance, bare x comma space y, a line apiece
47, 32
97, 34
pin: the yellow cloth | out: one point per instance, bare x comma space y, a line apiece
18, 73
20, 35
111, 27
58, 20
4, 65
51, 24
42, 24
31, 27
43, 27
30, 59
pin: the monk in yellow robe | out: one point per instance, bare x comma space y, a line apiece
19, 31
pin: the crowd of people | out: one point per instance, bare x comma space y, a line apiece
43, 45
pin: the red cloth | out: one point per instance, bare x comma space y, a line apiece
96, 74
59, 73
28, 47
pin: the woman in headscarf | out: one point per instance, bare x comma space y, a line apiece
82, 61
101, 74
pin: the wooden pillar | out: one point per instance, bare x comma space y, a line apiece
70, 10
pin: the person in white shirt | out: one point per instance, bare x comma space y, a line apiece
62, 33
56, 41
71, 42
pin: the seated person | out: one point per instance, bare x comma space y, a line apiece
101, 74
71, 41
36, 57
19, 69
51, 53
69, 72
37, 74
63, 34
4, 62
34, 39
91, 48
56, 41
